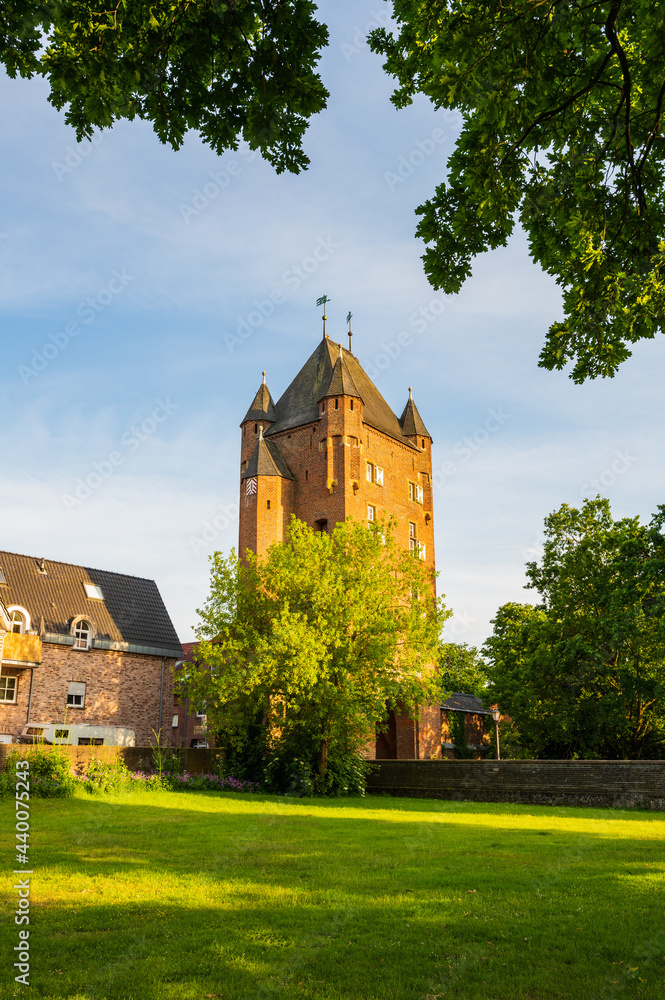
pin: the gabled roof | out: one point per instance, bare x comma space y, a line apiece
132, 610
263, 407
299, 403
411, 421
341, 381
267, 460
465, 703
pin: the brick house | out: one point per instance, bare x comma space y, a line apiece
83, 645
332, 448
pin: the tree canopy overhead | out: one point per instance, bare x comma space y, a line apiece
236, 69
562, 131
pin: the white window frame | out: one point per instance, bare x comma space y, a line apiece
419, 494
93, 591
24, 624
378, 475
371, 513
76, 689
79, 641
413, 530
369, 472
174, 721
412, 490
7, 678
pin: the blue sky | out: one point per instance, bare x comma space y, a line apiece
128, 269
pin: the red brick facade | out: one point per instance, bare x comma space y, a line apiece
331, 449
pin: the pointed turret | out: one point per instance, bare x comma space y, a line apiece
263, 407
266, 460
341, 381
411, 422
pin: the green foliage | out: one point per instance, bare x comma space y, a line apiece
583, 674
309, 647
230, 70
462, 669
50, 776
105, 776
561, 110
457, 726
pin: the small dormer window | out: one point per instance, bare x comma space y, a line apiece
2, 577
19, 620
93, 591
82, 635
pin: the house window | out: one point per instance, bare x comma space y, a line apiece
82, 635
92, 590
76, 695
378, 475
18, 621
415, 493
7, 688
413, 541
369, 472
199, 745
201, 711
174, 722
371, 513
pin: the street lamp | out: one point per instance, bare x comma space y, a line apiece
496, 715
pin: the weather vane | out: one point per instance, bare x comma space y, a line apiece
322, 302
348, 320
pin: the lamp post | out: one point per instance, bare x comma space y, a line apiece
496, 715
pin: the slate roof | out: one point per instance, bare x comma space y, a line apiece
465, 703
267, 460
341, 381
298, 404
132, 610
411, 422
263, 407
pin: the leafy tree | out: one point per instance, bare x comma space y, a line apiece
562, 131
229, 68
584, 673
462, 668
311, 645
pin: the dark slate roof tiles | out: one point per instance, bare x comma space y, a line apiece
298, 404
132, 610
263, 407
267, 460
411, 422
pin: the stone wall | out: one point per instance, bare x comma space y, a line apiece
619, 784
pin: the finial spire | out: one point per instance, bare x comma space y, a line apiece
260, 432
264, 377
348, 320
340, 352
322, 302
410, 393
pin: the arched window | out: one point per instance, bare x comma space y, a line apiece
19, 619
82, 634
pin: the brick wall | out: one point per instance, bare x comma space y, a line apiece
134, 758
619, 784
122, 689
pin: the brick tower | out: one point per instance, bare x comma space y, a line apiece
332, 448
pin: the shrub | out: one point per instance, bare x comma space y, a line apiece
104, 776
51, 774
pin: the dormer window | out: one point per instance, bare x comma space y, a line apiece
19, 619
82, 634
93, 591
2, 577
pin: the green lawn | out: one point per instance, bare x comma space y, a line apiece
181, 896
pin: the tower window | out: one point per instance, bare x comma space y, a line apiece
337, 404
369, 472
378, 475
256, 428
306, 475
321, 525
423, 443
267, 504
351, 401
371, 513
